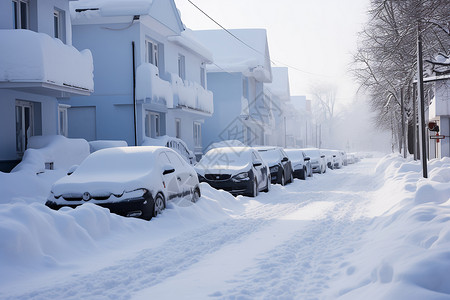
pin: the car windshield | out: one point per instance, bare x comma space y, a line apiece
226, 157
271, 157
130, 160
312, 153
295, 155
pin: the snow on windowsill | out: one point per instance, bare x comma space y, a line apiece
28, 56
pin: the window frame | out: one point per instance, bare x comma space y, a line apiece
151, 52
182, 66
18, 19
152, 120
21, 134
197, 134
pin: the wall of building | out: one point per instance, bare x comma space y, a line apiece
227, 89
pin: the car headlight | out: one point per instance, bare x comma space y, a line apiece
273, 169
241, 176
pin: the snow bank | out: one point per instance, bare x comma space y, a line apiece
407, 252
44, 59
54, 151
151, 88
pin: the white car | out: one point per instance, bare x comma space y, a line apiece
317, 160
129, 181
301, 164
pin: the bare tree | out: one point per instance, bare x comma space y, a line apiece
385, 61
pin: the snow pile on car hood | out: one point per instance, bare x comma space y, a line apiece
111, 170
407, 252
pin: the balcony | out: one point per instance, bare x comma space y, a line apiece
37, 63
175, 94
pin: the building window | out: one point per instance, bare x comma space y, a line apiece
181, 66
151, 52
62, 120
152, 124
20, 14
203, 77
197, 134
178, 128
59, 21
24, 125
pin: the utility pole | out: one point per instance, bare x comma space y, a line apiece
422, 136
403, 122
416, 157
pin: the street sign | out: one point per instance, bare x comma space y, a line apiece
437, 137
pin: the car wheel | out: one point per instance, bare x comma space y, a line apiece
195, 195
291, 179
283, 180
255, 188
302, 174
269, 182
159, 205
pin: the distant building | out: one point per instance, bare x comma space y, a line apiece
439, 110
280, 106
242, 108
149, 72
305, 132
38, 69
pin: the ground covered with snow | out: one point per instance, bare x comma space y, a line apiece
371, 230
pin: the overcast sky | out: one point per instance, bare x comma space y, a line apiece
315, 36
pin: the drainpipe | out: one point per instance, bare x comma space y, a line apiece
134, 93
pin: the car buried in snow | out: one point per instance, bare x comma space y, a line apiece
129, 181
317, 160
279, 164
238, 170
301, 164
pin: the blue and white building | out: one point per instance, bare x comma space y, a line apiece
149, 73
40, 71
242, 109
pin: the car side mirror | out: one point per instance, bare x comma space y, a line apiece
322, 156
71, 170
257, 163
168, 169
307, 158
285, 159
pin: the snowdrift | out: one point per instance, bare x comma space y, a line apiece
407, 251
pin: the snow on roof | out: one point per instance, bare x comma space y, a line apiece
95, 9
280, 83
44, 59
188, 41
231, 55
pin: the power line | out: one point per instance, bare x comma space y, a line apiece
275, 62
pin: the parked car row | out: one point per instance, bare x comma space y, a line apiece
138, 181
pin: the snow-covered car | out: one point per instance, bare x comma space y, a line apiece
317, 160
331, 157
338, 159
176, 144
301, 164
129, 181
238, 170
279, 164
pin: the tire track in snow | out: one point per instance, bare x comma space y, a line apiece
302, 267
154, 265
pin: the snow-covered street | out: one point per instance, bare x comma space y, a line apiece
307, 240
